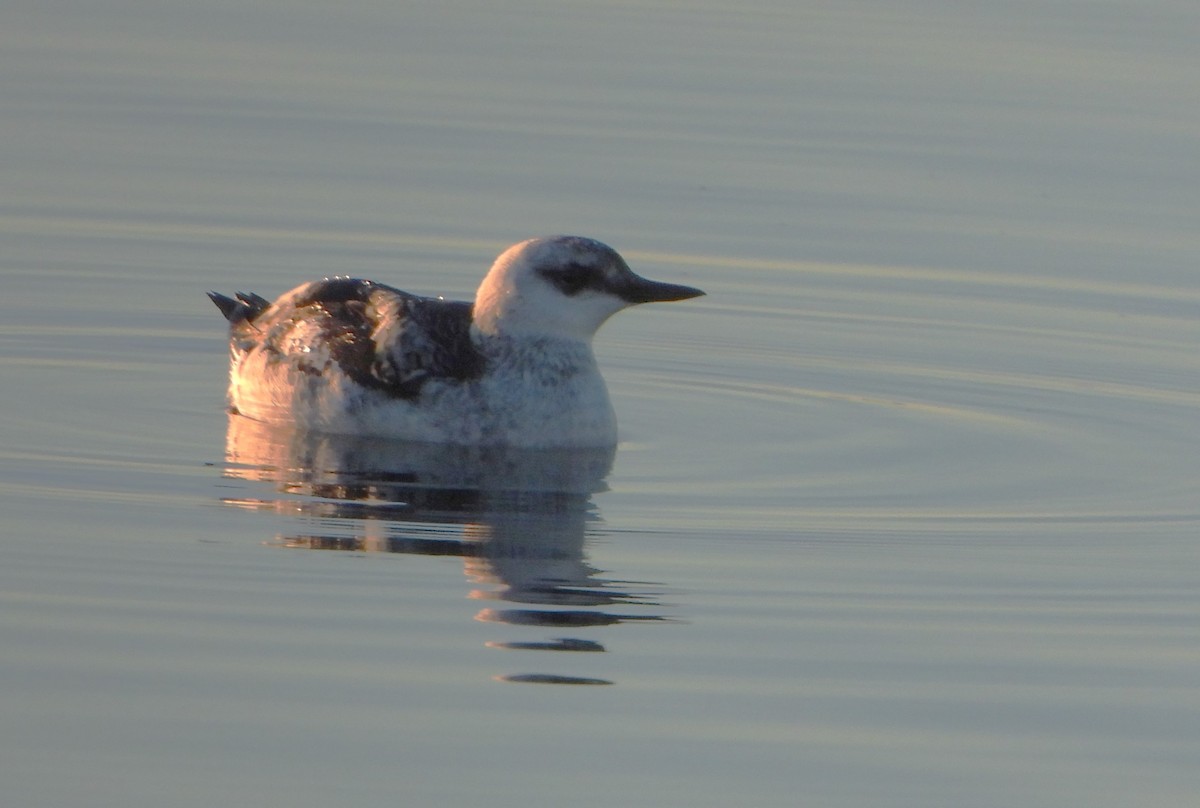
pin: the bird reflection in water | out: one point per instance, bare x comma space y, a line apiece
518, 518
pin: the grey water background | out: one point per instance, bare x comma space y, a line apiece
904, 513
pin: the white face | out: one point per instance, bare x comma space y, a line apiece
562, 286
551, 287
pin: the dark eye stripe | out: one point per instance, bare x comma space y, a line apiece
571, 279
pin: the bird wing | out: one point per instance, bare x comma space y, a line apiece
379, 337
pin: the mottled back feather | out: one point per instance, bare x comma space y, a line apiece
380, 337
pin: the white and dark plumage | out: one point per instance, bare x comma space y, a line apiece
516, 368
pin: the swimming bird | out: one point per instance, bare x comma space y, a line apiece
515, 368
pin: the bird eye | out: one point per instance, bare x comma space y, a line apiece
571, 279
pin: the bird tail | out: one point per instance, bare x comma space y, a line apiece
242, 309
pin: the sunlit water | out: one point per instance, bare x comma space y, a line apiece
904, 512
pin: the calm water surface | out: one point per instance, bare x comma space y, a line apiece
904, 511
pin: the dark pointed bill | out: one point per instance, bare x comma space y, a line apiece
641, 290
